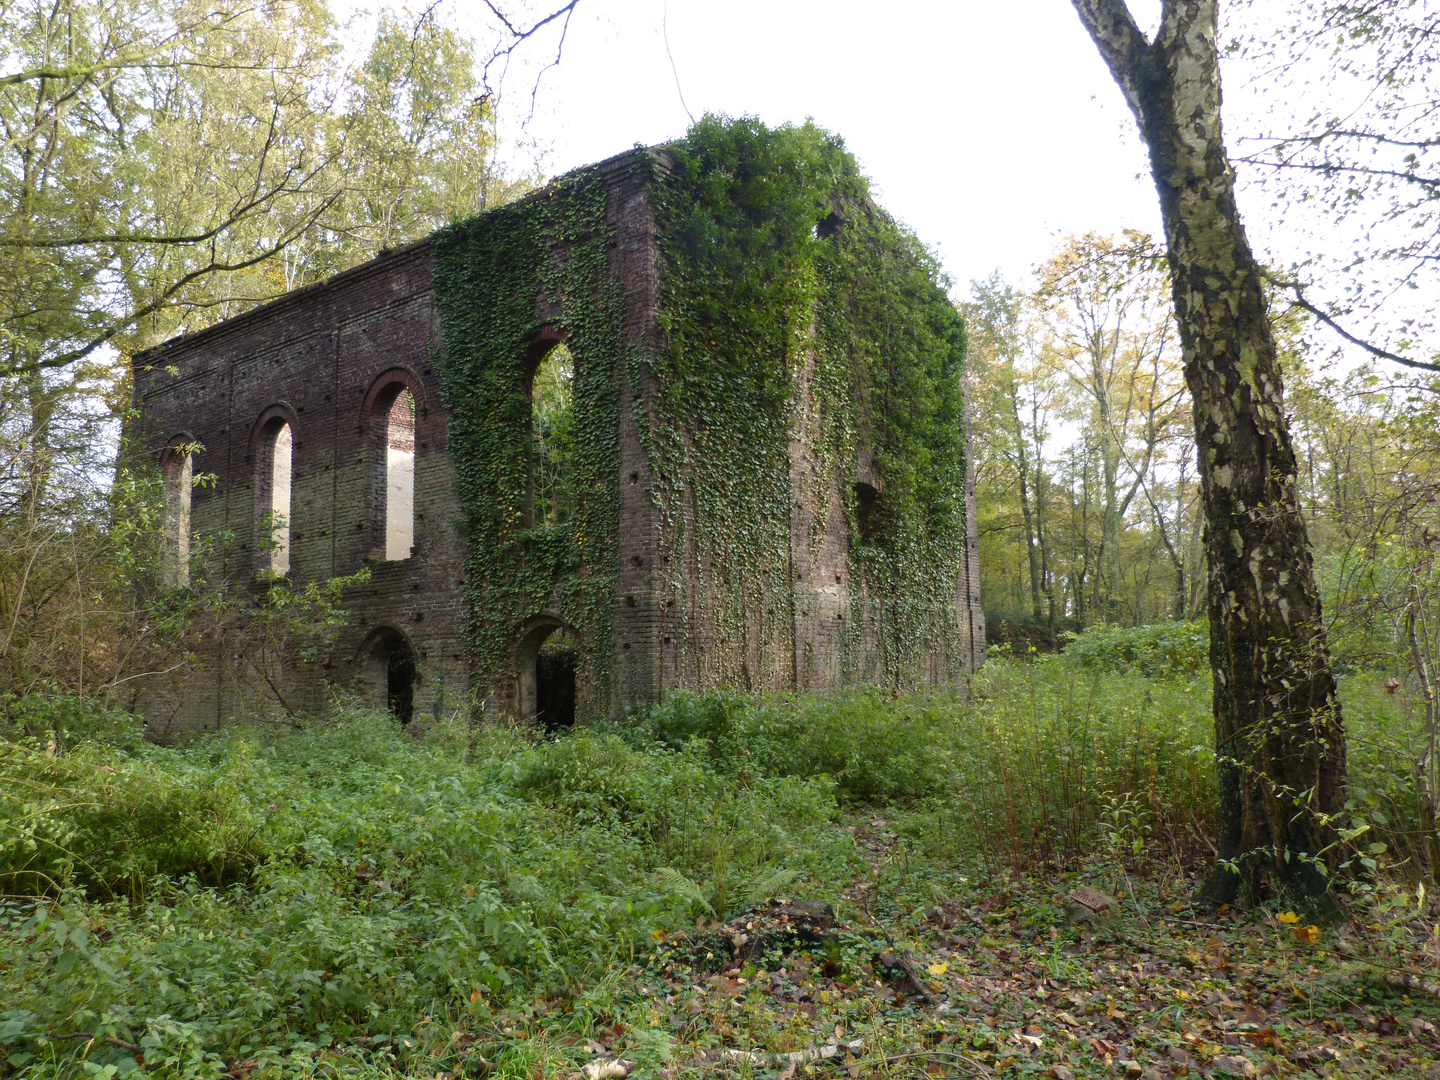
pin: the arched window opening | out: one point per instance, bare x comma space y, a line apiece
389, 672
400, 476
551, 404
177, 475
547, 657
400, 685
555, 681
272, 543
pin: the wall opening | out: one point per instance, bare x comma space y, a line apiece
555, 662
552, 399
867, 513
400, 685
177, 474
389, 672
547, 660
400, 476
274, 472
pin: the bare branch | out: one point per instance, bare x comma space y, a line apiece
1373, 350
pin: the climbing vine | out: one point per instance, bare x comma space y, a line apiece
795, 309
793, 314
488, 273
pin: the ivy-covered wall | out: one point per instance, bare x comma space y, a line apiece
767, 482
755, 467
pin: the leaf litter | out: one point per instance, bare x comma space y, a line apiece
926, 972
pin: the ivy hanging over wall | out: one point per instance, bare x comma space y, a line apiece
792, 308
793, 305
488, 272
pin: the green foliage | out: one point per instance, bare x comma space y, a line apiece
254, 895
261, 896
773, 256
1161, 650
487, 273
67, 720
1048, 750
553, 397
791, 301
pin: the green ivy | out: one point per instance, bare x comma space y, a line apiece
789, 304
776, 255
488, 272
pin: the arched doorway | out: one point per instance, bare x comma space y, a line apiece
546, 659
388, 672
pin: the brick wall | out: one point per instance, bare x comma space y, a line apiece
329, 361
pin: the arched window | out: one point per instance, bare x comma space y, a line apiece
400, 476
273, 475
552, 399
390, 419
177, 475
389, 671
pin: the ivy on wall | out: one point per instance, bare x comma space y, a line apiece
488, 272
792, 308
793, 305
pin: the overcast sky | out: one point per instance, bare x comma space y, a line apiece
991, 129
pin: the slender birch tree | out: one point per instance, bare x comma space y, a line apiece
1279, 738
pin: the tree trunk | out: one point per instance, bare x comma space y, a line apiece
1278, 733
1023, 469
1427, 791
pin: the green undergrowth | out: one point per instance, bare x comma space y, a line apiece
262, 893
351, 898
1022, 774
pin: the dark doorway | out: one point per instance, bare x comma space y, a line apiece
388, 672
555, 682
400, 685
867, 512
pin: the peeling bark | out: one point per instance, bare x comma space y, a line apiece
1278, 730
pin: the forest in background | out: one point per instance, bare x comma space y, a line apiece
1089, 503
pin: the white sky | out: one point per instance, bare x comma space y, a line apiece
991, 129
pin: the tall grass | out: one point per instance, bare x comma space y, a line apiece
1022, 772
1047, 750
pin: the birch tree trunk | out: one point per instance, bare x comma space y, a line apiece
1278, 731
1022, 469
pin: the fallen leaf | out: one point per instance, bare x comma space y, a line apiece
1289, 918
939, 968
608, 1069
1060, 1072
1234, 1066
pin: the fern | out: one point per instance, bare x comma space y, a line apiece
762, 888
679, 883
758, 890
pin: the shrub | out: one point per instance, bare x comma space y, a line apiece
1167, 650
256, 892
1044, 749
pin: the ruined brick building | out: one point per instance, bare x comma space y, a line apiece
740, 494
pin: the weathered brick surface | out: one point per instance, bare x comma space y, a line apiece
329, 360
